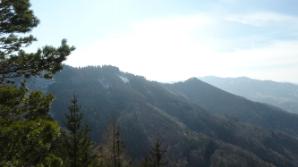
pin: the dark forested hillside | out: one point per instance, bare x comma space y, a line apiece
207, 127
236, 107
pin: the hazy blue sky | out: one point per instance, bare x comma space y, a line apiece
170, 40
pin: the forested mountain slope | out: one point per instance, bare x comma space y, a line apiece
235, 107
194, 132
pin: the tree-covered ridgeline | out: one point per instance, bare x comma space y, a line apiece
30, 137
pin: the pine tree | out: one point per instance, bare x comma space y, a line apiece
27, 132
111, 153
116, 148
16, 20
78, 145
156, 157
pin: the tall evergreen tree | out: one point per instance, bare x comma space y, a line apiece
111, 152
156, 157
116, 148
78, 145
27, 132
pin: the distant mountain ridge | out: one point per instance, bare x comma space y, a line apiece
220, 102
283, 95
198, 123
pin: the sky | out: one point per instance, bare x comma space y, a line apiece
173, 40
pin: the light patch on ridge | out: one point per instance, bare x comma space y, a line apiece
124, 79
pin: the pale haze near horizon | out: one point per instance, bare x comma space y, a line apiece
175, 40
